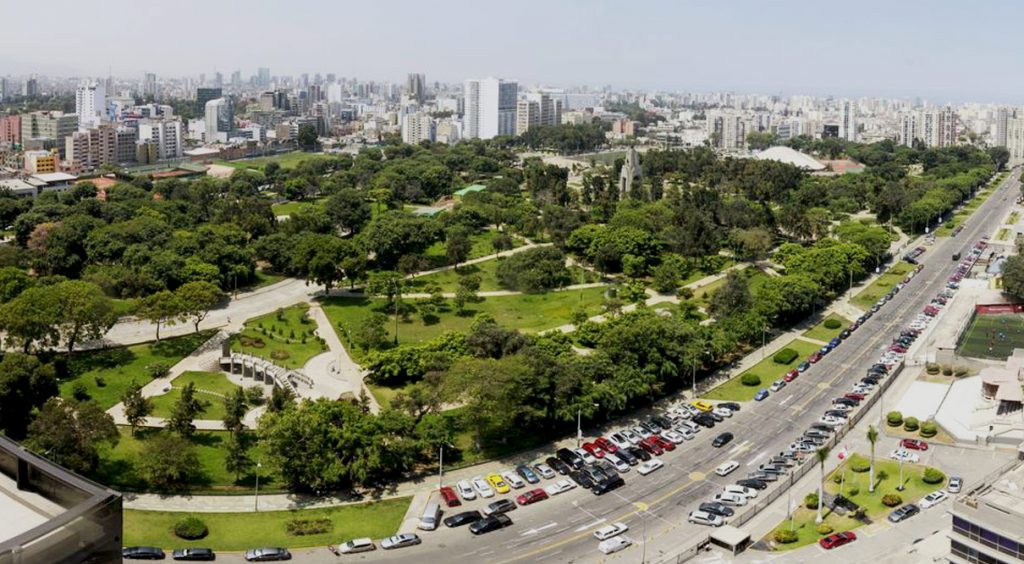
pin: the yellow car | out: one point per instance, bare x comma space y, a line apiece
702, 405
499, 485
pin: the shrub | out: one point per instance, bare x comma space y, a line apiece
894, 418
933, 476
929, 429
911, 424
278, 354
859, 463
824, 529
301, 527
785, 356
785, 536
833, 324
100, 382
686, 293
254, 395
79, 391
932, 368
750, 380
947, 370
190, 528
960, 372
891, 500
811, 500
852, 491
158, 370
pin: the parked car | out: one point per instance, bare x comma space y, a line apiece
557, 465
741, 490
761, 395
836, 540
704, 420
729, 498
513, 479
722, 412
727, 468
632, 437
777, 385
500, 506
905, 456
569, 457
609, 531
664, 443
904, 513
705, 518
465, 490
582, 478
932, 499
531, 497
639, 452
702, 405
142, 553
650, 466
626, 456
722, 440
585, 456
652, 446
753, 483
730, 405
356, 546
914, 444
527, 474
803, 366
461, 519
193, 554
267, 554
716, 508
591, 449
791, 375
490, 523
955, 484
619, 440
449, 497
561, 486
400, 541
482, 487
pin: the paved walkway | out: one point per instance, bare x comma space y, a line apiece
335, 372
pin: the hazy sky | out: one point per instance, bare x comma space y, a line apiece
941, 49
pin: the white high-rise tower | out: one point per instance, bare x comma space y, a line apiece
90, 104
490, 107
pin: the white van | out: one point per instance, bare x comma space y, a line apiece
727, 468
431, 515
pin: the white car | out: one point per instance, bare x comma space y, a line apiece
673, 436
741, 490
705, 518
861, 389
933, 499
841, 407
614, 544
693, 410
619, 464
686, 433
544, 470
356, 546
632, 437
679, 412
730, 498
649, 466
482, 487
560, 486
640, 431
955, 483
726, 468
722, 412
586, 456
619, 440
465, 490
609, 531
513, 479
905, 455
777, 385
693, 427
832, 421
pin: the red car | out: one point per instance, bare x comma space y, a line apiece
605, 444
814, 358
791, 375
532, 496
837, 540
593, 449
664, 443
652, 446
853, 396
449, 497
914, 444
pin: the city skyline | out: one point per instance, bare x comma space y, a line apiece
881, 49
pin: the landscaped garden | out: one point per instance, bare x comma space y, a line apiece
211, 387
744, 386
882, 286
918, 481
828, 329
287, 337
290, 529
104, 375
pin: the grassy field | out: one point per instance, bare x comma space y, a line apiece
288, 208
119, 465
106, 373
286, 337
993, 336
882, 286
241, 531
767, 369
886, 480
483, 246
528, 313
448, 280
606, 158
205, 382
821, 333
1003, 234
286, 160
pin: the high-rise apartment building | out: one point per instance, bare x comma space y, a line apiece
220, 120
263, 77
205, 94
416, 86
149, 86
908, 128
90, 104
416, 127
490, 107
30, 88
1002, 115
1015, 140
5, 89
848, 121
166, 135
47, 129
727, 130
97, 146
538, 108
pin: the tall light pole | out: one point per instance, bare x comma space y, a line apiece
579, 425
440, 465
256, 501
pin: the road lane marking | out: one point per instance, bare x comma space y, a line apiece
536, 530
756, 458
789, 397
591, 525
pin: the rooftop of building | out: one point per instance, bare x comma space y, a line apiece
790, 156
54, 177
470, 188
1007, 492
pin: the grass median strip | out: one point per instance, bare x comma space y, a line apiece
882, 286
767, 371
241, 531
821, 332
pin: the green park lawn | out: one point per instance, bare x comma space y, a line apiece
886, 479
821, 333
448, 280
286, 160
119, 465
206, 382
767, 369
106, 373
529, 313
241, 531
882, 286
279, 337
482, 246
289, 208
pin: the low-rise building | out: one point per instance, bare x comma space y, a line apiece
988, 521
37, 162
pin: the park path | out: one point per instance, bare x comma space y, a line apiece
334, 372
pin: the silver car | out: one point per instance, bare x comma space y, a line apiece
400, 541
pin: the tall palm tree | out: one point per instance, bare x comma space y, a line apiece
822, 454
872, 438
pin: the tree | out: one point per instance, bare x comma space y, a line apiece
501, 242
168, 460
872, 438
13, 281
234, 411
237, 459
733, 297
535, 270
25, 384
371, 333
760, 140
197, 299
136, 406
348, 209
82, 312
457, 245
70, 433
822, 456
307, 137
185, 411
161, 308
1013, 277
30, 318
666, 278
280, 399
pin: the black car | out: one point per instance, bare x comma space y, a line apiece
821, 427
764, 476
500, 506
722, 440
870, 380
717, 508
461, 519
730, 405
904, 513
846, 401
596, 473
813, 439
777, 460
557, 465
193, 554
267, 554
704, 420
816, 435
581, 478
844, 333
626, 456
880, 367
608, 485
837, 413
638, 452
490, 523
662, 421
752, 483
772, 469
142, 553
569, 457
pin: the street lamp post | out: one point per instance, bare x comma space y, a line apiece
579, 425
440, 468
256, 501
900, 487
